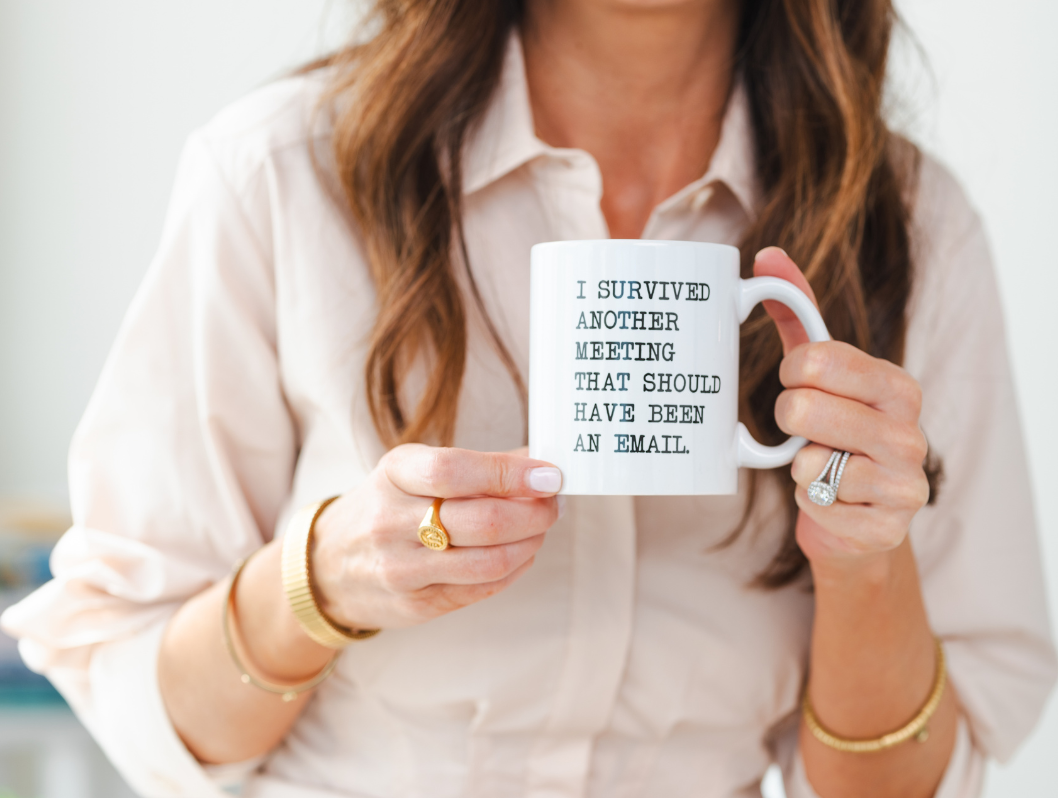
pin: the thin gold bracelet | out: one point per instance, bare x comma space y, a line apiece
297, 582
288, 691
916, 728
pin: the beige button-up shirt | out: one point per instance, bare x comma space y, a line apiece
633, 659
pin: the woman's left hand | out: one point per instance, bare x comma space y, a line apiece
843, 399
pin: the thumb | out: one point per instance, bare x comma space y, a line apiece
774, 262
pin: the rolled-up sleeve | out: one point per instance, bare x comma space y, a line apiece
976, 545
180, 467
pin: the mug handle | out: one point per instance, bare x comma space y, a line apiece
751, 292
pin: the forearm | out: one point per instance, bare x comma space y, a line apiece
373, 572
220, 718
872, 668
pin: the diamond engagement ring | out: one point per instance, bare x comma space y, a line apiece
826, 493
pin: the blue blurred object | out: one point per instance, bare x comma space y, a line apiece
27, 536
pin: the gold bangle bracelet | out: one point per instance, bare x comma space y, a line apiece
288, 691
916, 728
297, 582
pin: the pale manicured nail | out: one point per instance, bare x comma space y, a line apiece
561, 506
783, 251
545, 480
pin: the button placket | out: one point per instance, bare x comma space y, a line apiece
599, 635
701, 197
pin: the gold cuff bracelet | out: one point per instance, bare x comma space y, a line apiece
917, 727
297, 582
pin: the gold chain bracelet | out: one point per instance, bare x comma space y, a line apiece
916, 728
288, 691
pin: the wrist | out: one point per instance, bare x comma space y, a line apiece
275, 641
300, 582
327, 563
872, 652
860, 571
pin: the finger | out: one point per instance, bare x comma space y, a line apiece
489, 521
439, 599
846, 424
774, 262
863, 481
476, 565
875, 529
446, 473
844, 370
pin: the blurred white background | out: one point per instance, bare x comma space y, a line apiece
96, 99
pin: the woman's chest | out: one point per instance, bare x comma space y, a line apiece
634, 595
327, 304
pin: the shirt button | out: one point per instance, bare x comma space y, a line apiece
698, 200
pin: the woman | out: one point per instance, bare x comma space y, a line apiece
341, 287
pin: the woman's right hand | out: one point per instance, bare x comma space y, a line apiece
371, 571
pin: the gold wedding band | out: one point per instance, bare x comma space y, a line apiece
431, 531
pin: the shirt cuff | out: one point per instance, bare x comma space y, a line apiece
124, 711
963, 778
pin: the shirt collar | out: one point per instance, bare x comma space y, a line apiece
505, 139
733, 163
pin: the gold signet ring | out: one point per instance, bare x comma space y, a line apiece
431, 531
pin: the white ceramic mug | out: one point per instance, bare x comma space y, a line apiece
633, 365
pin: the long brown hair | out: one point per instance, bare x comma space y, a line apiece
835, 184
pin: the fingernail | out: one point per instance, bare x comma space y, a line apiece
545, 480
783, 251
561, 506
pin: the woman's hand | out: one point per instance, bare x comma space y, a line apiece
370, 569
872, 652
843, 399
371, 572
